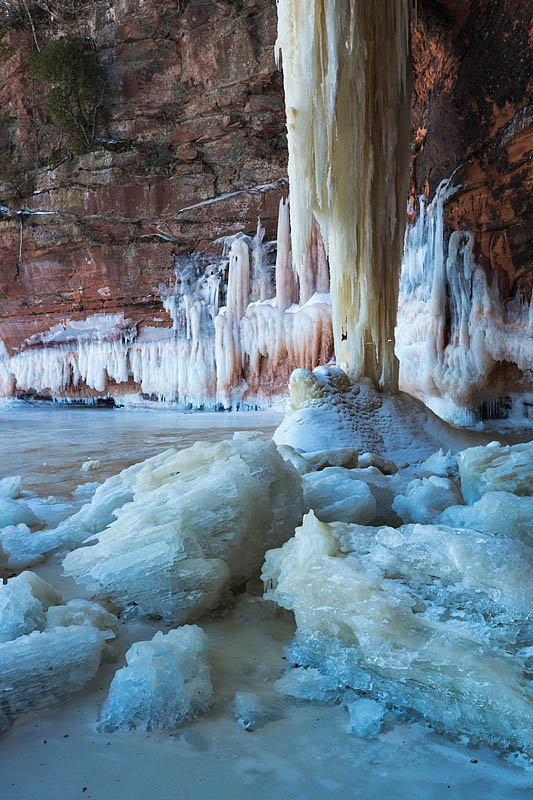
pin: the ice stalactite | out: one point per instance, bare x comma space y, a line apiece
454, 332
347, 87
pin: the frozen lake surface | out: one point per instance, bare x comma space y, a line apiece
304, 750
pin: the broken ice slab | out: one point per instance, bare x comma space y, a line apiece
496, 467
10, 487
495, 512
425, 499
431, 619
14, 512
335, 494
47, 650
165, 682
200, 522
44, 666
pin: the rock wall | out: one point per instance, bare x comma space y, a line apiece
194, 149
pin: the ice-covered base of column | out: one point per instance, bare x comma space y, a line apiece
454, 334
198, 524
327, 409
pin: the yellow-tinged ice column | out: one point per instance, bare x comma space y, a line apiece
346, 71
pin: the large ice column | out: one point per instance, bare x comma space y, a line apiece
285, 278
347, 81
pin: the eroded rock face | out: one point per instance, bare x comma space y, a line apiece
195, 112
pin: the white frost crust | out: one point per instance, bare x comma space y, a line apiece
15, 512
425, 617
200, 521
166, 682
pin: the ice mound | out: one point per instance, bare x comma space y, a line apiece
325, 407
430, 619
47, 650
335, 494
425, 499
495, 512
200, 522
166, 682
10, 487
23, 548
14, 512
496, 467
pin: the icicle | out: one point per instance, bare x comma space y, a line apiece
346, 74
285, 279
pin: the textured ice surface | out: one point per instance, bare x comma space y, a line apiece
495, 512
425, 499
200, 522
326, 407
335, 494
47, 650
10, 487
165, 683
428, 618
366, 716
13, 512
496, 467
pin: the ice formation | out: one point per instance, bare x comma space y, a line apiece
347, 87
453, 329
199, 523
426, 498
166, 682
14, 512
496, 467
326, 406
427, 618
10, 487
495, 512
335, 494
47, 650
213, 354
366, 717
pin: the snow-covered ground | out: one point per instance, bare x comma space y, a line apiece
263, 743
